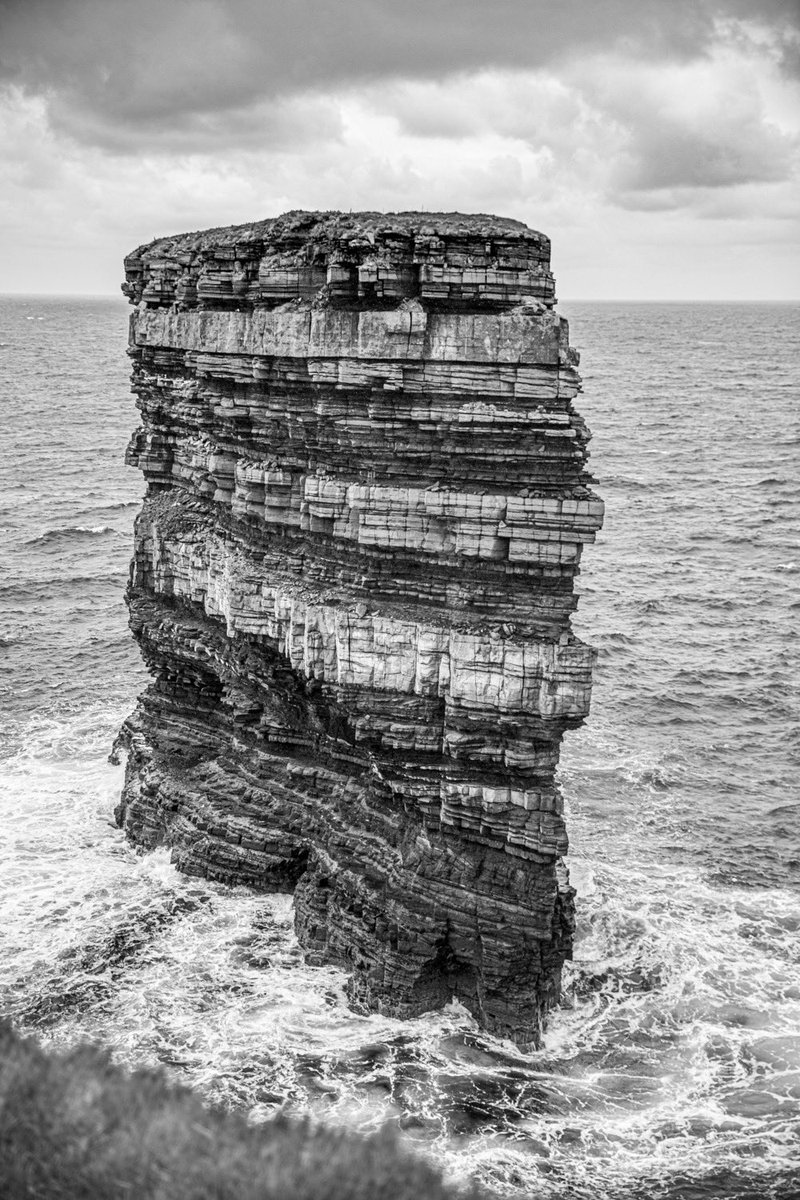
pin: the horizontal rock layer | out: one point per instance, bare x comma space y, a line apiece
353, 580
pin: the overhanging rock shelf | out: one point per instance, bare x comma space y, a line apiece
352, 584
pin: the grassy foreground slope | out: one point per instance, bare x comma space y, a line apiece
75, 1126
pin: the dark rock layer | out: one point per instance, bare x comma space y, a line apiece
352, 583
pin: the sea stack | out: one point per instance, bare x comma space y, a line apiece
352, 583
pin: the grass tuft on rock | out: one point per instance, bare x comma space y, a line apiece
75, 1127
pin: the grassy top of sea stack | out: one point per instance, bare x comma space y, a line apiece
471, 260
332, 226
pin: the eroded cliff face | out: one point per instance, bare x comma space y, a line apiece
352, 584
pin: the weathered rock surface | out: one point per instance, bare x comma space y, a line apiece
352, 583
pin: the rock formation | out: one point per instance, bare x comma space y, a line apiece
352, 583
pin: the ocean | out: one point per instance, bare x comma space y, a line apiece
673, 1068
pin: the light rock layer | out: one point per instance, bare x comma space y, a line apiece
352, 583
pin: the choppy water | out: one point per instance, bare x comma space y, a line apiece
674, 1068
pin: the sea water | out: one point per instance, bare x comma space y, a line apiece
673, 1067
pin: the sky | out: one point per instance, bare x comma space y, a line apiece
656, 142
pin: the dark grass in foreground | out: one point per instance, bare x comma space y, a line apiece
75, 1126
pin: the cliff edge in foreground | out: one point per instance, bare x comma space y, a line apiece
352, 583
73, 1125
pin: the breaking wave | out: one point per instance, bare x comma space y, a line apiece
69, 533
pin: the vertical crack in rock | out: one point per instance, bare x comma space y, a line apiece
352, 584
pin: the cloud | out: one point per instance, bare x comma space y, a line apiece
717, 124
650, 136
668, 153
125, 75
293, 124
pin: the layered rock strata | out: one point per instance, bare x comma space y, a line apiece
353, 579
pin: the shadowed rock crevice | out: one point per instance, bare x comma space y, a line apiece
352, 583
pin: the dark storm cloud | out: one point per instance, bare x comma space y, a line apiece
126, 76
